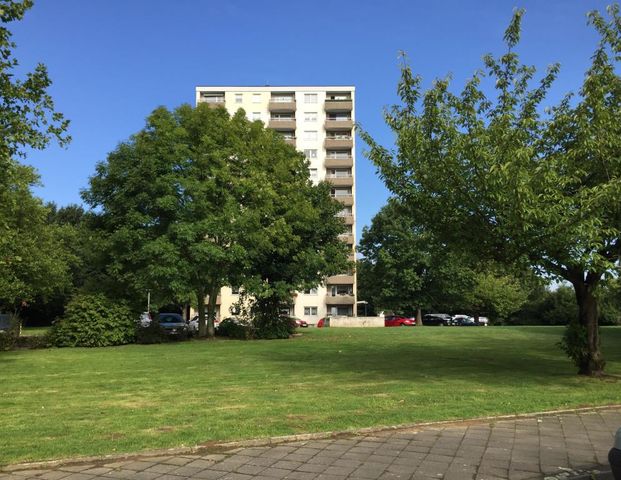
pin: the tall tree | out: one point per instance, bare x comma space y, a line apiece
198, 200
406, 268
503, 179
29, 263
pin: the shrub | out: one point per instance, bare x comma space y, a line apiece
233, 328
575, 343
272, 327
34, 341
94, 321
151, 334
10, 336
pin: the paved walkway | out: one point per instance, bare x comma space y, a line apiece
567, 445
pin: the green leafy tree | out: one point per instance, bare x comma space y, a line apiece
405, 268
29, 263
495, 294
497, 176
33, 260
199, 199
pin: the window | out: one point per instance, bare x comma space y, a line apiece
310, 291
337, 290
340, 192
313, 173
256, 98
310, 153
338, 154
289, 135
310, 310
310, 117
310, 98
344, 311
346, 212
339, 172
239, 97
310, 135
256, 116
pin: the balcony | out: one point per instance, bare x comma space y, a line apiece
347, 219
282, 104
340, 300
347, 238
338, 105
290, 141
339, 162
282, 123
340, 181
345, 124
347, 200
338, 143
214, 100
340, 280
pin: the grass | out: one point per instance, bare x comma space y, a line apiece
34, 331
69, 402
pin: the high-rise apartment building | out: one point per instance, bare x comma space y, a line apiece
319, 122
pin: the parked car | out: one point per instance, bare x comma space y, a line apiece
483, 321
437, 319
464, 321
5, 321
145, 319
399, 321
299, 323
193, 324
172, 324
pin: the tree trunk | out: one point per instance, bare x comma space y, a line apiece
593, 363
419, 317
202, 326
211, 311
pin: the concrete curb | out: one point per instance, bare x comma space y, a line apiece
232, 447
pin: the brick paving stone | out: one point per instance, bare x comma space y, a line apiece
161, 468
51, 475
186, 471
79, 476
312, 468
210, 474
262, 461
237, 476
76, 468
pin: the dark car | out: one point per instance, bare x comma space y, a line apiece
465, 321
437, 319
399, 321
172, 324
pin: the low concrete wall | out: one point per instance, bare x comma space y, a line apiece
356, 321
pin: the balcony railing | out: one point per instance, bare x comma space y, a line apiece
340, 181
340, 280
279, 123
341, 142
282, 104
338, 105
345, 299
347, 200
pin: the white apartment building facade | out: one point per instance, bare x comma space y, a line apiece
318, 121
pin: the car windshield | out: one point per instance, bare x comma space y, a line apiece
170, 319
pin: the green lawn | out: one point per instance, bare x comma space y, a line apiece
69, 402
34, 331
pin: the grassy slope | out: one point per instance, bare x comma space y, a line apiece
69, 402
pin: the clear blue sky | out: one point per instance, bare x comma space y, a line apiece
113, 61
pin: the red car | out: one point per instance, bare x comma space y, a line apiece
399, 321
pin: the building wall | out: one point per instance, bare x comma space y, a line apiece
256, 103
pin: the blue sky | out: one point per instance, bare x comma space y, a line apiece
113, 61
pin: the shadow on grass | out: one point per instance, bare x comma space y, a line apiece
497, 361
